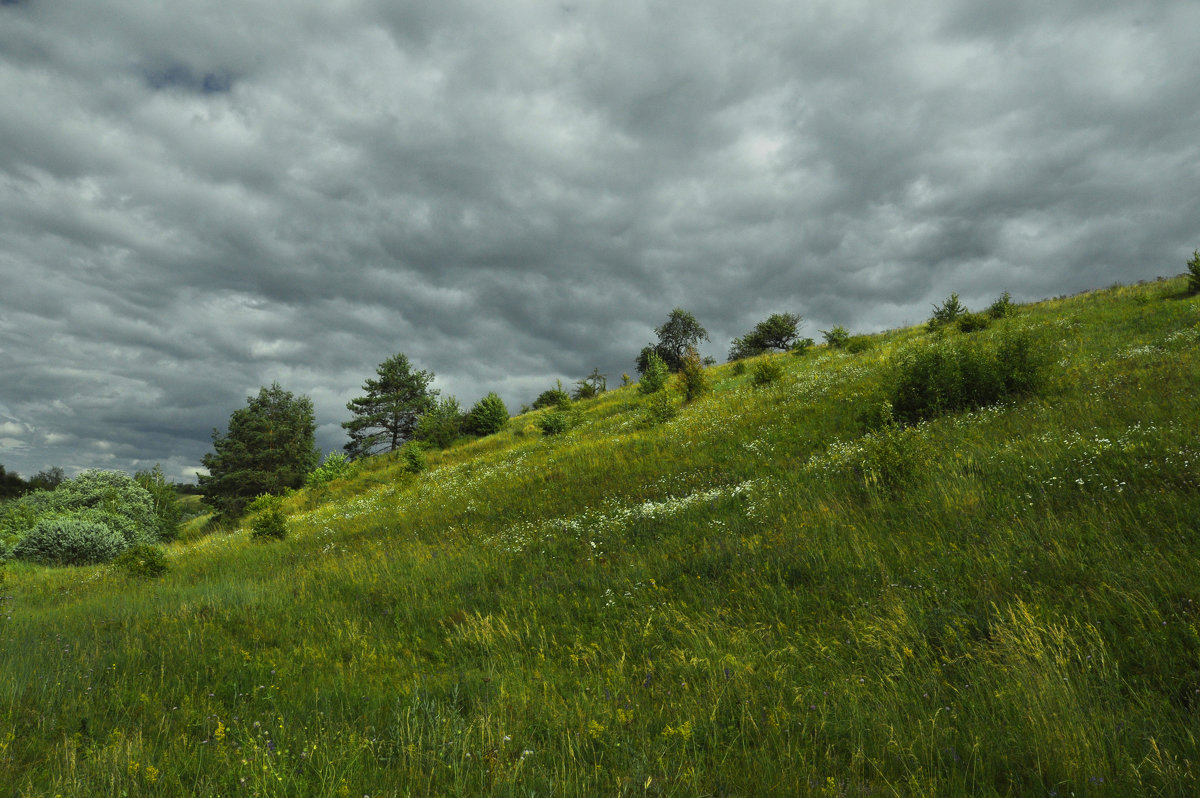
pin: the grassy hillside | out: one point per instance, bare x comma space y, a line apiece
757, 597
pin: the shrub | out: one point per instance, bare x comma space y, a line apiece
336, 466
165, 499
946, 378
837, 337
858, 344
488, 416
694, 380
591, 386
109, 497
413, 457
892, 459
1194, 272
68, 540
441, 424
654, 377
659, 408
767, 372
801, 346
263, 501
555, 397
947, 312
556, 422
972, 322
142, 562
876, 414
739, 368
270, 524
1003, 307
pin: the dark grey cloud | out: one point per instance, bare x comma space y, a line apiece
195, 202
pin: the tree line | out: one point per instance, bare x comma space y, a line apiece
269, 445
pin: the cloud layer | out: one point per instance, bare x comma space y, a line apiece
196, 200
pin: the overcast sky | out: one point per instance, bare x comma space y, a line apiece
197, 199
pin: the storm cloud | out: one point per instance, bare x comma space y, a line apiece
199, 199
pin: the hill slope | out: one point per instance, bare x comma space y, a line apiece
758, 596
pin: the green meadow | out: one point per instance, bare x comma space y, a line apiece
768, 593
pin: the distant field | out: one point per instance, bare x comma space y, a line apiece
772, 593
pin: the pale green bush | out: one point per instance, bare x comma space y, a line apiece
67, 540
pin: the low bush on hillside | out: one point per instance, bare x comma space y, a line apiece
67, 540
946, 313
654, 378
801, 346
659, 409
858, 344
947, 377
837, 337
413, 457
766, 372
1003, 307
972, 322
694, 380
556, 422
892, 459
1194, 272
442, 424
488, 416
270, 524
554, 397
142, 562
336, 466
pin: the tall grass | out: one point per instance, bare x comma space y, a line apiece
758, 596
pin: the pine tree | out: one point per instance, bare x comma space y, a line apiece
387, 416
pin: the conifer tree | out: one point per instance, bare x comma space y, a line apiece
270, 447
386, 418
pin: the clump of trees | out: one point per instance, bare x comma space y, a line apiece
11, 484
1194, 272
779, 331
953, 312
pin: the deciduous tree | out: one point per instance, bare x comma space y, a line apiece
675, 336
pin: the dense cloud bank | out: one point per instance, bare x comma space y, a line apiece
196, 200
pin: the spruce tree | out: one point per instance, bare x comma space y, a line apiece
270, 447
